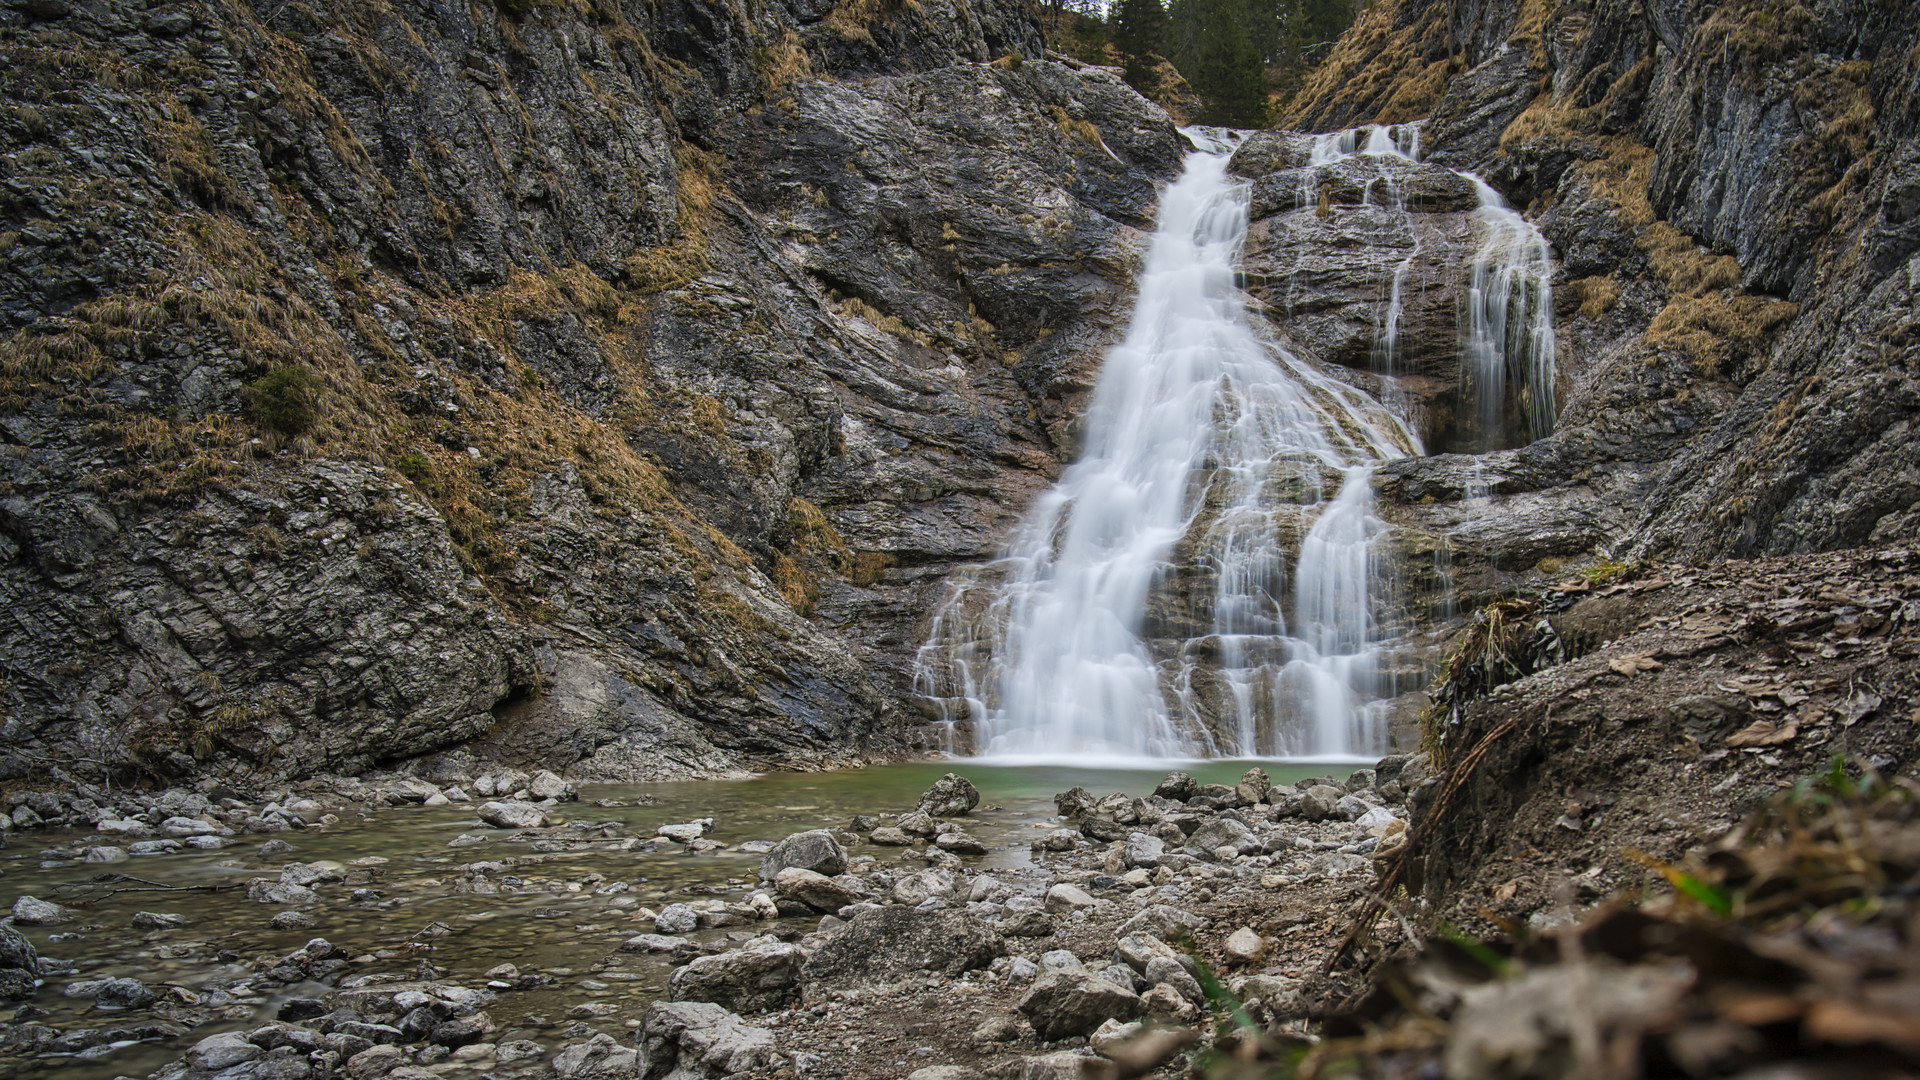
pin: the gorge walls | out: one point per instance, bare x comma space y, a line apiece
615, 385
586, 383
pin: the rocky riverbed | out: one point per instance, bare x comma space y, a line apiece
497, 924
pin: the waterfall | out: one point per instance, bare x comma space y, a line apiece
1207, 579
1187, 587
1509, 331
1506, 329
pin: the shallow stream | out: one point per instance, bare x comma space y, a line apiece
561, 907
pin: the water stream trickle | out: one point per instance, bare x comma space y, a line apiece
1188, 587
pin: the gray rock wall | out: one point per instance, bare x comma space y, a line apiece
1728, 188
661, 356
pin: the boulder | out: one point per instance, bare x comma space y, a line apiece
1162, 922
1063, 899
549, 785
682, 834
1065, 1003
1166, 971
815, 850
950, 796
15, 983
1319, 802
1166, 1003
1059, 840
658, 943
461, 1030
153, 920
884, 945
182, 827
599, 1058
676, 919
17, 952
262, 891
959, 843
1074, 803
918, 823
743, 980
1144, 850
914, 889
687, 1040
1221, 832
1351, 807
888, 836
32, 911
1103, 828
512, 814
123, 994
1138, 950
313, 873
1177, 785
217, 1052
817, 891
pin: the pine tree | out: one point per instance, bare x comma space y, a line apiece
1140, 32
1226, 69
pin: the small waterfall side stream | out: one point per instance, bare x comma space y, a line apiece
1208, 578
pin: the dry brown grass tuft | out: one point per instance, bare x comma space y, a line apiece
783, 62
870, 567
1382, 62
1597, 295
1719, 333
1684, 265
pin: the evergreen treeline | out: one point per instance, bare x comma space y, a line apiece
1234, 53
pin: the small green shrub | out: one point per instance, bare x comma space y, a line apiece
416, 468
285, 400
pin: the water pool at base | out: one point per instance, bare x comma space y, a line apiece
560, 906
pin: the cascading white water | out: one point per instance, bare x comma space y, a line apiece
1187, 587
1507, 332
1086, 639
1510, 317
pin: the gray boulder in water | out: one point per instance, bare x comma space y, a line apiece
950, 796
19, 963
33, 911
816, 850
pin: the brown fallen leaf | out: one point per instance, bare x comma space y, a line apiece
1763, 733
1627, 665
1851, 1023
1756, 1009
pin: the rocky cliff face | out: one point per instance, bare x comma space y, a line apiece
603, 384
1729, 190
612, 385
